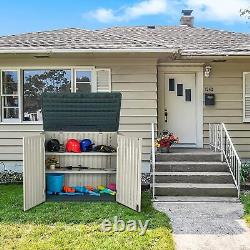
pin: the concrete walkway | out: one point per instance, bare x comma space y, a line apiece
207, 225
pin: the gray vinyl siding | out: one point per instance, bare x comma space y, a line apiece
227, 82
135, 78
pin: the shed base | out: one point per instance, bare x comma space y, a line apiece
86, 198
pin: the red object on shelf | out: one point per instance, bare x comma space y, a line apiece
73, 145
67, 189
112, 186
89, 187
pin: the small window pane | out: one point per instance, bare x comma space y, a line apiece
171, 85
38, 81
188, 96
83, 76
83, 87
10, 101
9, 83
179, 89
10, 113
9, 76
9, 88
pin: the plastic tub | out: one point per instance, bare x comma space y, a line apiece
54, 182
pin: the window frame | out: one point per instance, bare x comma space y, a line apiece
245, 120
2, 95
21, 85
93, 82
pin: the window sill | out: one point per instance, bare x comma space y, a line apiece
20, 123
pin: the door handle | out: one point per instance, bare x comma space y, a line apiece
166, 115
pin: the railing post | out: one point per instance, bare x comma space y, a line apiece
210, 135
221, 142
239, 169
153, 159
215, 136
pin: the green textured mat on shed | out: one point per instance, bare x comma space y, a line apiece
81, 111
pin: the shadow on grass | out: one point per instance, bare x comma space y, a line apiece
11, 204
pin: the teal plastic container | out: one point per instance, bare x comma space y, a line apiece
54, 182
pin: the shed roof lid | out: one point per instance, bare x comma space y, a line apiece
81, 111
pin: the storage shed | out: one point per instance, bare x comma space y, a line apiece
79, 116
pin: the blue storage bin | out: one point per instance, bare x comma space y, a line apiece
55, 182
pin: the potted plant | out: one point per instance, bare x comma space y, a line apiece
165, 141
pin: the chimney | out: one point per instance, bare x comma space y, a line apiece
187, 19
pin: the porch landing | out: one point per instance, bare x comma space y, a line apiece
190, 172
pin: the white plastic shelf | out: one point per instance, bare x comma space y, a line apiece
84, 171
81, 154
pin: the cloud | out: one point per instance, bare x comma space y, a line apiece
221, 10
208, 10
103, 15
143, 8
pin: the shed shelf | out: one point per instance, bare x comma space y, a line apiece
85, 171
81, 154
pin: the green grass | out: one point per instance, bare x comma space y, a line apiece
76, 225
245, 198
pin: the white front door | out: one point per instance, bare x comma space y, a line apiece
180, 107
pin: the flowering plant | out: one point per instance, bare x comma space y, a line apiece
166, 140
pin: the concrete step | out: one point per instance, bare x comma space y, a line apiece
189, 156
195, 189
189, 166
196, 199
193, 177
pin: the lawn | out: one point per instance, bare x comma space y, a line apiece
245, 198
76, 225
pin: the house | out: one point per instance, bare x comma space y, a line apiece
179, 77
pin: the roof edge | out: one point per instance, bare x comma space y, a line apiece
55, 51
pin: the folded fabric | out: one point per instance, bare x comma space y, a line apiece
85, 190
70, 194
89, 187
68, 189
112, 186
107, 191
100, 187
81, 189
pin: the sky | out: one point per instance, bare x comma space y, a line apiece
21, 16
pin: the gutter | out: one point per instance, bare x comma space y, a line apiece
57, 51
211, 53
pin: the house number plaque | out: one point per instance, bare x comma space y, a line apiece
209, 89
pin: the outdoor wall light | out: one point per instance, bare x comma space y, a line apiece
207, 70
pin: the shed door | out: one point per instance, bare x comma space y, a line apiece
128, 178
33, 171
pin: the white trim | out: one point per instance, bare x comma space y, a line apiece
173, 68
93, 78
38, 67
244, 97
51, 51
110, 77
180, 64
42, 67
18, 95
